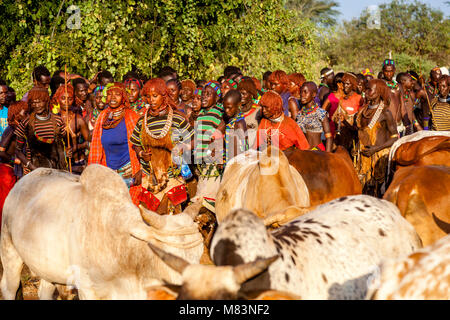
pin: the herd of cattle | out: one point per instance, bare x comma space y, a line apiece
289, 226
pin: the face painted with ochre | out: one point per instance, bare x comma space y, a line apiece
65, 101
114, 98
39, 107
173, 90
277, 86
348, 87
133, 92
371, 93
155, 100
209, 97
186, 94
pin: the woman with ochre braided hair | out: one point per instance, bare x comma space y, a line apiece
377, 131
276, 128
8, 175
78, 128
349, 105
134, 88
279, 82
161, 132
187, 95
40, 136
111, 144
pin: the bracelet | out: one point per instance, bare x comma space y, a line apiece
328, 135
28, 163
140, 153
17, 161
394, 135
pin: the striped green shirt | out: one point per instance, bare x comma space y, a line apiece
205, 125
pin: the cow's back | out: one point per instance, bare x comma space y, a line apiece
327, 175
422, 194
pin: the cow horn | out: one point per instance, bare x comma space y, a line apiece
246, 271
151, 218
176, 263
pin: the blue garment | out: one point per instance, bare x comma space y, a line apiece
115, 144
285, 97
3, 119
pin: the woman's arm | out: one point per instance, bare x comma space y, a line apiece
328, 135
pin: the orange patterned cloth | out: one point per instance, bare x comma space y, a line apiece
97, 153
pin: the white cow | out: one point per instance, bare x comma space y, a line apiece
87, 232
423, 275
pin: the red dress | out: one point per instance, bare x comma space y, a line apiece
285, 133
8, 179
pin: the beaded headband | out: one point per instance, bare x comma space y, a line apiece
216, 88
388, 62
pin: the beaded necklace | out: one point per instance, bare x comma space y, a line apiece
164, 130
306, 110
393, 85
406, 95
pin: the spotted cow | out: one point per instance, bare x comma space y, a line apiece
423, 275
328, 253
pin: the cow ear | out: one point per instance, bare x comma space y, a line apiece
169, 292
142, 233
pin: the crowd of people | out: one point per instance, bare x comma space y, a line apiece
159, 133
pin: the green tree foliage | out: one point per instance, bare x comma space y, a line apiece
417, 35
197, 38
321, 11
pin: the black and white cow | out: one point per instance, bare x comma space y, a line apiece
329, 253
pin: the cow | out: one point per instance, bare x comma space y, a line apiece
328, 253
422, 193
85, 231
262, 182
279, 186
419, 149
423, 275
327, 175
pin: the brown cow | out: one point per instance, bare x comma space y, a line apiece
423, 196
420, 149
327, 175
423, 275
300, 180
